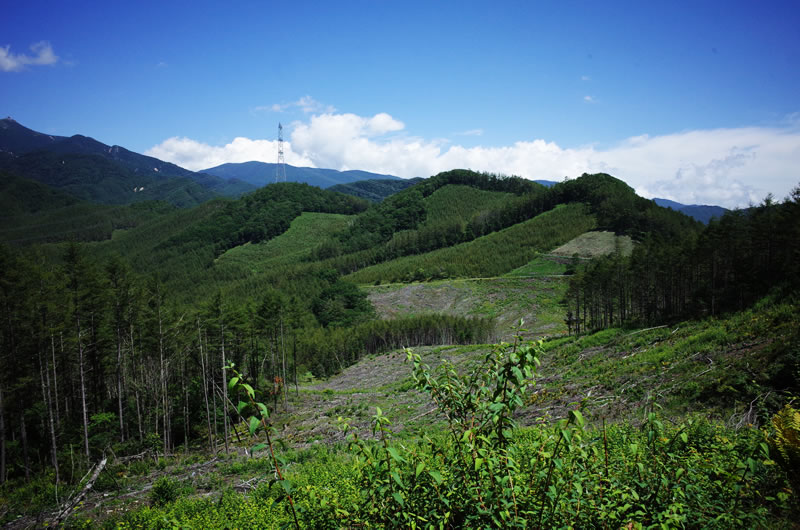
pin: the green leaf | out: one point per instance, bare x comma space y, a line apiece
435, 475
567, 435
399, 498
258, 447
240, 407
263, 409
394, 454
249, 390
420, 468
576, 417
478, 463
233, 382
254, 423
287, 486
396, 478
685, 437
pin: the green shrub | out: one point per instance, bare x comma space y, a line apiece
165, 490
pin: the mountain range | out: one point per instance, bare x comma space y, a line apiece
91, 170
702, 212
97, 172
262, 173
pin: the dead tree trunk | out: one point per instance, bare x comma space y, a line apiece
119, 385
47, 397
224, 388
2, 439
205, 386
84, 410
66, 510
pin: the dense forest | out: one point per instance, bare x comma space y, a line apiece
123, 325
109, 355
726, 267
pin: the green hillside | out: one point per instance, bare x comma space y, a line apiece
292, 246
35, 213
374, 190
94, 178
660, 393
461, 203
184, 248
490, 255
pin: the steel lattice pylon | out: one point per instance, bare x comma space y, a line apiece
280, 168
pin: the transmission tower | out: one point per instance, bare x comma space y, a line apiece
280, 167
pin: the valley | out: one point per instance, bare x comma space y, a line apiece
247, 358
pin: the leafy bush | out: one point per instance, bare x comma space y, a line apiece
486, 473
165, 490
784, 442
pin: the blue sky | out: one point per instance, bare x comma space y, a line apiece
694, 101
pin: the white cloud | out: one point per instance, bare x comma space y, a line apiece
195, 155
306, 103
589, 99
585, 78
729, 167
471, 132
12, 62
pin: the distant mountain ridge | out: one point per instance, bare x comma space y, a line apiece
702, 212
375, 190
92, 170
263, 173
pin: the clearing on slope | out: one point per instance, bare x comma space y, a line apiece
595, 244
487, 256
292, 246
584, 247
506, 300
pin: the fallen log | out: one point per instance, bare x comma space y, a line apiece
67, 508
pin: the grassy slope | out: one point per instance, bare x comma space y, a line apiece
490, 255
290, 247
594, 244
585, 246
506, 300
714, 366
720, 367
693, 367
461, 202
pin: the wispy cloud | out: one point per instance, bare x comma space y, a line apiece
730, 167
307, 104
471, 132
589, 99
585, 78
161, 64
15, 62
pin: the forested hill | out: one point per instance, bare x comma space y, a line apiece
375, 190
94, 171
36, 213
125, 345
190, 250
